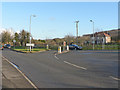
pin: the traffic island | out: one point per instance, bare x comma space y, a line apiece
64, 51
32, 51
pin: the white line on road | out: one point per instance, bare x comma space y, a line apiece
22, 74
114, 78
56, 57
75, 65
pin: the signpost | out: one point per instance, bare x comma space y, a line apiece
30, 45
14, 43
103, 41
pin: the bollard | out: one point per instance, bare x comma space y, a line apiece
75, 48
67, 48
59, 49
47, 46
32, 48
63, 48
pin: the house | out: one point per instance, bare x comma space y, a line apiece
107, 38
101, 38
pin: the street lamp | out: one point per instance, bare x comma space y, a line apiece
30, 29
77, 31
93, 34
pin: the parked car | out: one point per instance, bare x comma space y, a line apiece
7, 46
76, 47
1, 47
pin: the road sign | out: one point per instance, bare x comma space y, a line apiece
28, 44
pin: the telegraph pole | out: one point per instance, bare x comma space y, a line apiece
77, 31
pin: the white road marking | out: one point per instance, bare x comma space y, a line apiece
56, 57
75, 65
14, 65
114, 78
22, 74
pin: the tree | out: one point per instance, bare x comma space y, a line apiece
28, 37
69, 39
24, 37
6, 37
16, 37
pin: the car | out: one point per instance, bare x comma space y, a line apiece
76, 47
1, 47
8, 46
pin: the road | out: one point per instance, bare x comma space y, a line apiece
75, 69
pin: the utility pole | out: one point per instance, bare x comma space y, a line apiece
77, 31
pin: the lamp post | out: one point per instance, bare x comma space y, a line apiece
77, 31
93, 34
30, 28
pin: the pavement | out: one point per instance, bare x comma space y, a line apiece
12, 77
75, 69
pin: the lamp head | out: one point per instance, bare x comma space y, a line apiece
77, 21
34, 15
91, 21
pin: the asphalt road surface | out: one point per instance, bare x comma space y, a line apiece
75, 69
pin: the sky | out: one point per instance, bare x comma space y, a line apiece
57, 19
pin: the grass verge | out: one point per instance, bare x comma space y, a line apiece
27, 50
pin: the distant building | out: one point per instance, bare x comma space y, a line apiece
107, 38
104, 36
100, 38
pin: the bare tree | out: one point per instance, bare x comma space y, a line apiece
6, 37
69, 39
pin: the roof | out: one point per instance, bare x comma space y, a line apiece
106, 35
